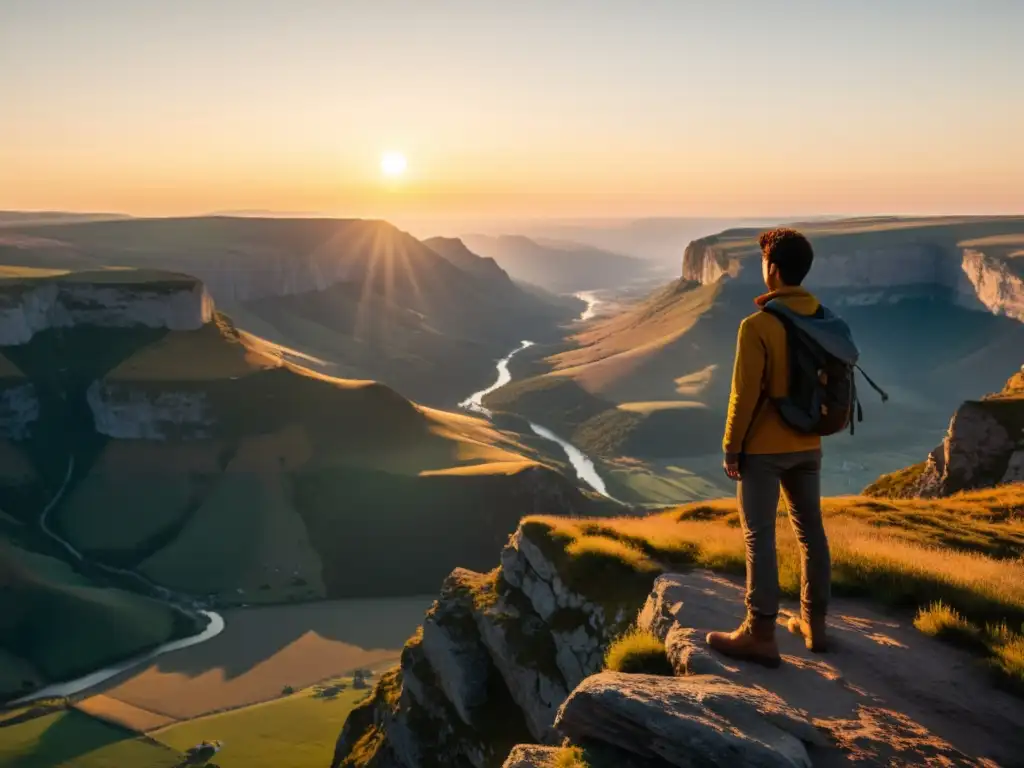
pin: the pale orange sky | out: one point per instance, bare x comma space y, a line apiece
604, 108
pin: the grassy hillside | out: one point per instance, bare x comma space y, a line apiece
651, 383
297, 730
56, 624
357, 299
956, 562
255, 480
71, 739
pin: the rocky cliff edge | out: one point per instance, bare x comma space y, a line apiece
976, 261
103, 298
516, 655
983, 447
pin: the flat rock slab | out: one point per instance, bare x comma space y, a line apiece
886, 694
695, 720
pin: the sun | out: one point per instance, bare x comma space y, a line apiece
392, 163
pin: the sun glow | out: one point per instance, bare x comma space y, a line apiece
392, 163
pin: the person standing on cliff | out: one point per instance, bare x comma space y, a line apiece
764, 451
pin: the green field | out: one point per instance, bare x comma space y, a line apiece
63, 625
70, 739
230, 501
298, 731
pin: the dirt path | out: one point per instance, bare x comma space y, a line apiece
887, 694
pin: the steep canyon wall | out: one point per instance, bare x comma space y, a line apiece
882, 273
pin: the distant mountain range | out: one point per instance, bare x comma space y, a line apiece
359, 299
13, 218
557, 266
936, 306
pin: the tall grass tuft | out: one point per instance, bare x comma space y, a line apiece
638, 652
570, 757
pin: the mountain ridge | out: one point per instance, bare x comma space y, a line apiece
257, 480
358, 298
558, 266
650, 385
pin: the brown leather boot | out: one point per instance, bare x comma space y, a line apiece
753, 641
811, 627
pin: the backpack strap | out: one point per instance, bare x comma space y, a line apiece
761, 400
878, 389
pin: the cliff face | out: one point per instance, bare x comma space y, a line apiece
127, 413
883, 268
704, 263
497, 655
509, 664
103, 299
127, 302
993, 283
983, 447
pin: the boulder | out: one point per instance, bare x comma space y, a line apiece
697, 720
885, 689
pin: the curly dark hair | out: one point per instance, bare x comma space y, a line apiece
789, 251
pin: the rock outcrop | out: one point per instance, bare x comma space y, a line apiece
690, 720
507, 671
993, 283
497, 656
107, 299
983, 447
869, 268
886, 694
122, 411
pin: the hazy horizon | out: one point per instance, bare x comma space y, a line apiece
583, 110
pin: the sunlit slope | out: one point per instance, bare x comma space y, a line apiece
360, 298
653, 381
215, 467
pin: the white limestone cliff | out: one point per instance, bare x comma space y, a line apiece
874, 275
28, 307
993, 284
124, 412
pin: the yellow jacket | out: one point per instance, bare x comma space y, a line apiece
762, 364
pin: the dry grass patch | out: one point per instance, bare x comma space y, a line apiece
570, 757
262, 650
964, 552
638, 652
116, 712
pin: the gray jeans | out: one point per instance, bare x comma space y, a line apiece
799, 474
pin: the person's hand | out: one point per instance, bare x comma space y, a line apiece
731, 465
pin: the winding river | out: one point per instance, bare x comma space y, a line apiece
215, 622
581, 463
